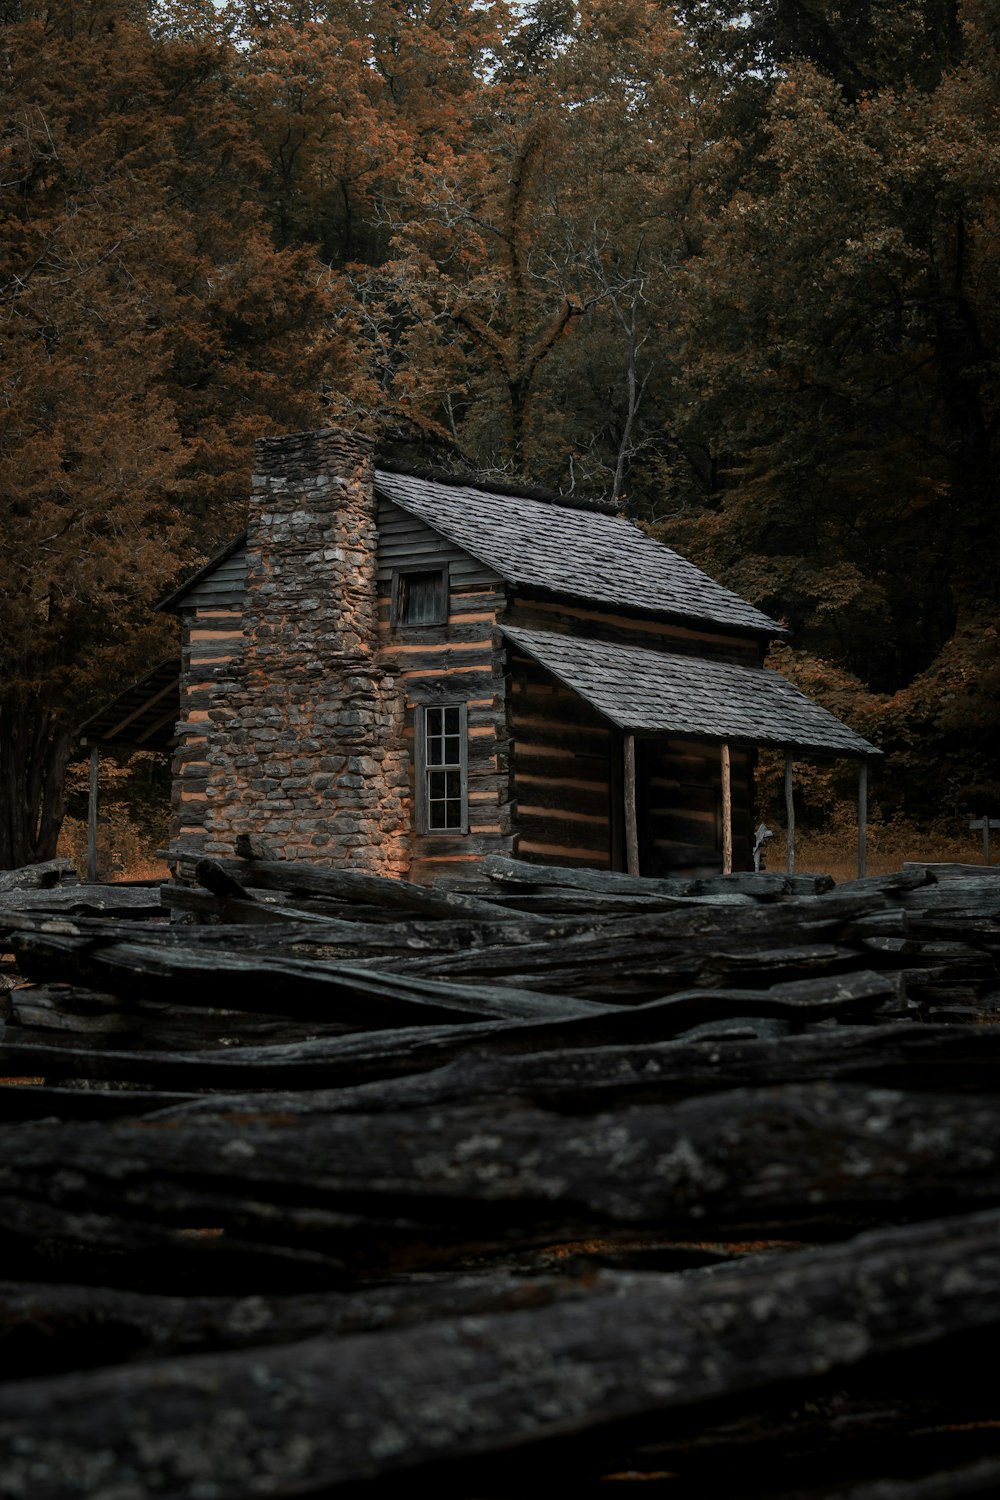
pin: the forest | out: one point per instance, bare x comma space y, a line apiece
733, 265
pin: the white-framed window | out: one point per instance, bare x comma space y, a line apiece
442, 738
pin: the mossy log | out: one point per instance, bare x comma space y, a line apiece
464, 1395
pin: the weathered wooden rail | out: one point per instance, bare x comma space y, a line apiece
554, 1182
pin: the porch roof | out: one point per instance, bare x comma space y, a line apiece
143, 717
645, 691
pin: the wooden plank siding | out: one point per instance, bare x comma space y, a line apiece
223, 586
405, 541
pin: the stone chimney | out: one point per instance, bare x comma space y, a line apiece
307, 745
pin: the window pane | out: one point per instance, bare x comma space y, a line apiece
443, 759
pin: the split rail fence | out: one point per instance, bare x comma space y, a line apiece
314, 1183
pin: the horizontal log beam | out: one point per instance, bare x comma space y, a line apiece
384, 1193
309, 990
319, 1413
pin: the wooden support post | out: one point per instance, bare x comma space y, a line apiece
789, 816
631, 818
862, 819
95, 757
985, 823
727, 813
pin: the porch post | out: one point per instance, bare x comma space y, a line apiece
789, 816
95, 756
631, 822
862, 819
727, 813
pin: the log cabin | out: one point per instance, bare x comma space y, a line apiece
403, 675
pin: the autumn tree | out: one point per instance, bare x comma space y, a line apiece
840, 346
861, 47
347, 101
148, 336
624, 211
315, 108
520, 317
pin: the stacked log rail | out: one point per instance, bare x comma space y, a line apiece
555, 1182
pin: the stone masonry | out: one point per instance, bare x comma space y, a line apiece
305, 741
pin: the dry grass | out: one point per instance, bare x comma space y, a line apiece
149, 868
123, 850
127, 849
836, 852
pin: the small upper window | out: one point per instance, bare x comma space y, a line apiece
420, 596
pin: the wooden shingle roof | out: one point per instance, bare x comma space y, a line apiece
580, 554
640, 690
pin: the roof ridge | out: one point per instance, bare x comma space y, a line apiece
503, 487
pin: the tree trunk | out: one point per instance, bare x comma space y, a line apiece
963, 354
34, 753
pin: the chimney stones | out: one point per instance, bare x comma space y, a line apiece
305, 745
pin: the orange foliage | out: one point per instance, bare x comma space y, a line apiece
150, 332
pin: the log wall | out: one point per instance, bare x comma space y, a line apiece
212, 644
655, 635
460, 662
680, 819
565, 781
